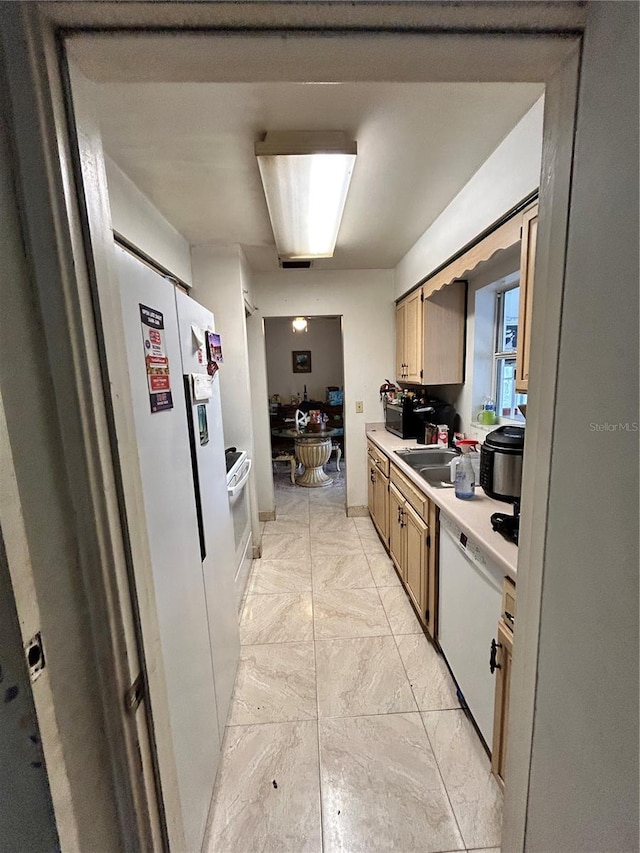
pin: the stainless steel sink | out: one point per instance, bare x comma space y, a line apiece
438, 476
431, 463
427, 458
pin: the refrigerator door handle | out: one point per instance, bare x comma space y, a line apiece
236, 488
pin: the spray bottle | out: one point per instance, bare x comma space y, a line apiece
465, 478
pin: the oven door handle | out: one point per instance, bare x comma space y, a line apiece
234, 490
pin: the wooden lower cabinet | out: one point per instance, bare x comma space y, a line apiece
413, 550
501, 713
416, 545
396, 530
378, 497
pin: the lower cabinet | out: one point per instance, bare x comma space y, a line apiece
378, 495
416, 551
397, 534
501, 656
412, 546
408, 535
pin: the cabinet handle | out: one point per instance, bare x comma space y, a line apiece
493, 665
509, 616
373, 476
399, 514
403, 523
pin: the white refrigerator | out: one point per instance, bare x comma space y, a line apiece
178, 432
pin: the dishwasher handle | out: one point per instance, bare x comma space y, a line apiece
236, 488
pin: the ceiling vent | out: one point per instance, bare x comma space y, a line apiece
295, 265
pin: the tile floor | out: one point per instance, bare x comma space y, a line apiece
345, 733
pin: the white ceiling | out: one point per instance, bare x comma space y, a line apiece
189, 148
180, 115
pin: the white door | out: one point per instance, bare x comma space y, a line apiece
210, 471
172, 525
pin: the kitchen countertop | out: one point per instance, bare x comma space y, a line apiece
473, 516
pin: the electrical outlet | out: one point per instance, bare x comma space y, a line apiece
359, 407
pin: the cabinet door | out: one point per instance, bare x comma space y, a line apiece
501, 713
371, 479
381, 504
527, 259
431, 573
415, 558
443, 337
413, 337
396, 529
400, 332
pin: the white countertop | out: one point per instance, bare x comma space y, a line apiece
472, 516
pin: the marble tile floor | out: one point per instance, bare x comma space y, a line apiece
345, 734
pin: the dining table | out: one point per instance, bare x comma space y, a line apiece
312, 450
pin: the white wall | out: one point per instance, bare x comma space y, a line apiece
135, 217
323, 339
221, 282
583, 785
217, 284
364, 299
506, 177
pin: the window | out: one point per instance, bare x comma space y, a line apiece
504, 358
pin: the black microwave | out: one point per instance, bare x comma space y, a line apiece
405, 420
408, 421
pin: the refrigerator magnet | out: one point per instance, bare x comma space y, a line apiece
214, 348
203, 426
202, 386
199, 345
156, 359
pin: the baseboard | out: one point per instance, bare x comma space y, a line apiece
267, 516
358, 511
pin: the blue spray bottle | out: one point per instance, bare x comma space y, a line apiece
465, 477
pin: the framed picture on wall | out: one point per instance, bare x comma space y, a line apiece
301, 360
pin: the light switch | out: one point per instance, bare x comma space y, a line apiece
359, 407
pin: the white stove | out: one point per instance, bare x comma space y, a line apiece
238, 471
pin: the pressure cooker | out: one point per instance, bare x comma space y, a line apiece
501, 463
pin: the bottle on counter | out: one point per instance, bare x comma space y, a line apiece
465, 476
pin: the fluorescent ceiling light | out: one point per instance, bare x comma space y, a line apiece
299, 324
306, 175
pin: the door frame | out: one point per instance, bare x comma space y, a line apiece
75, 326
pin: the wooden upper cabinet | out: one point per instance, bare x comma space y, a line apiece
527, 259
409, 338
401, 313
443, 335
430, 336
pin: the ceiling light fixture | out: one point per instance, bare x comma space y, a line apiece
299, 324
306, 176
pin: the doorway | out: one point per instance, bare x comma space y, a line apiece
302, 359
305, 385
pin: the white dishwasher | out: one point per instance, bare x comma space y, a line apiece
470, 599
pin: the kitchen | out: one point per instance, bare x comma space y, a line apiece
355, 496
